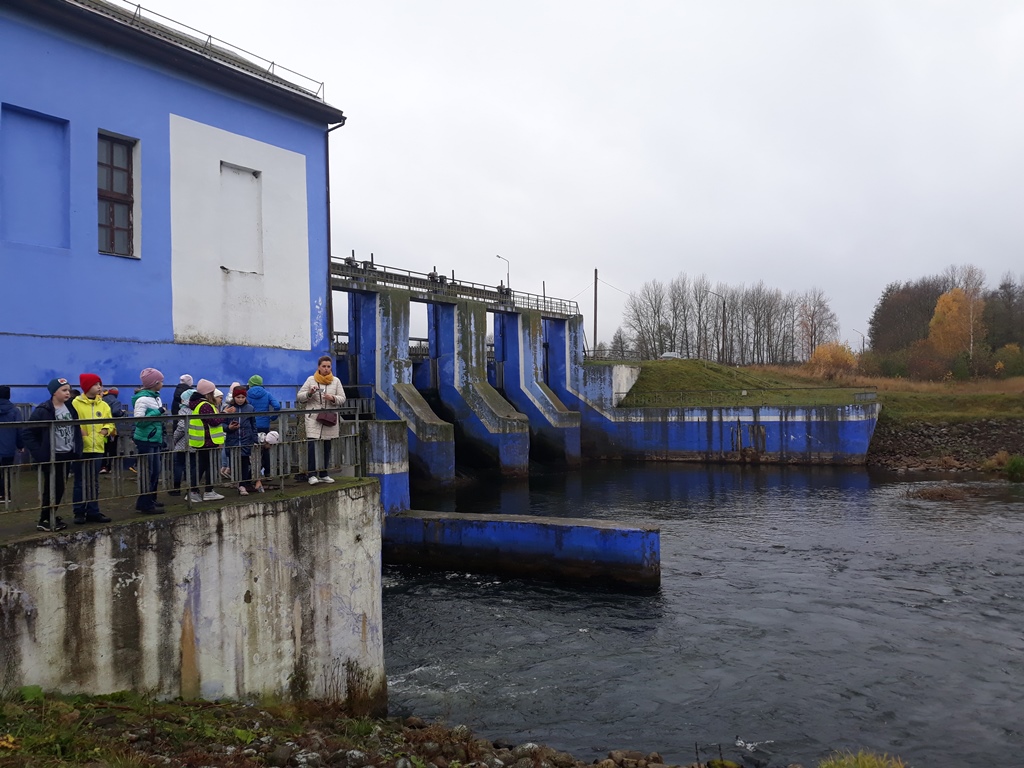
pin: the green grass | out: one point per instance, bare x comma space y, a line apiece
861, 760
696, 383
699, 383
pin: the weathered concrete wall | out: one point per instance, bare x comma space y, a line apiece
806, 435
277, 597
489, 432
379, 351
591, 551
520, 348
386, 453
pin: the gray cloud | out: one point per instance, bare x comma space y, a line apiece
842, 144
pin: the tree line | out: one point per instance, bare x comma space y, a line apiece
949, 325
736, 325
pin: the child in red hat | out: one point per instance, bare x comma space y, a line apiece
90, 405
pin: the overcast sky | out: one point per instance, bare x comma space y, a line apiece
842, 145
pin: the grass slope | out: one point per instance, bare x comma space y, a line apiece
703, 383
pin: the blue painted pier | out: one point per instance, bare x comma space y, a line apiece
593, 552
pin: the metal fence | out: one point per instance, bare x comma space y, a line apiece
132, 475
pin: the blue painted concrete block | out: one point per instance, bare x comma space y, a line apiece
562, 549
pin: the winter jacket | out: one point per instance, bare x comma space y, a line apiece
11, 439
207, 410
240, 427
37, 439
263, 402
311, 395
118, 411
93, 440
145, 402
176, 400
180, 436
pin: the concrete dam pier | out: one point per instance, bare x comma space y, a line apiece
535, 400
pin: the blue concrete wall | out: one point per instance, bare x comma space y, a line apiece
591, 551
808, 435
489, 433
520, 349
66, 307
386, 457
379, 351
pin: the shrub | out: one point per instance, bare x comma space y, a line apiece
1009, 361
925, 363
1015, 468
831, 360
861, 760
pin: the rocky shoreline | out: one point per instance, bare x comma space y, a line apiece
129, 731
923, 446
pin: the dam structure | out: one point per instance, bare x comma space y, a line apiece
535, 400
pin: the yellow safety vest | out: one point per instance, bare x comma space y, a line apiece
197, 431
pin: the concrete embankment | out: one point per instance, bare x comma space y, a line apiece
935, 445
278, 596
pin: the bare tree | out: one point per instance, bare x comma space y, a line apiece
816, 322
620, 348
645, 317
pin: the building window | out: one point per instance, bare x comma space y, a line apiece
114, 185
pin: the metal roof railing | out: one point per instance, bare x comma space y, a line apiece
157, 25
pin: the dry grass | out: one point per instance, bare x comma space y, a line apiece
937, 493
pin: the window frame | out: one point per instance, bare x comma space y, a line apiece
112, 199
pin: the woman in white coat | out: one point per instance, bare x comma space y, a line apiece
321, 390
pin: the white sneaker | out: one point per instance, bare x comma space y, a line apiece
195, 498
327, 479
313, 479
212, 496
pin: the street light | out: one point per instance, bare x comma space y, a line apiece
861, 339
721, 353
507, 268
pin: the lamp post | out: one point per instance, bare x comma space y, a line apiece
721, 352
507, 268
861, 339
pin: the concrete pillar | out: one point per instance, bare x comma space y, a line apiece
520, 353
386, 457
489, 432
379, 354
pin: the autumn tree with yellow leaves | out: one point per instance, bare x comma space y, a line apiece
956, 324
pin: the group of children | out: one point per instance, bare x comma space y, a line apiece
207, 431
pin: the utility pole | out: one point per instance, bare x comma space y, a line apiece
595, 309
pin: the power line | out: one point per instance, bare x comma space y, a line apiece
610, 286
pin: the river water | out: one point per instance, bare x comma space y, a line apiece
807, 610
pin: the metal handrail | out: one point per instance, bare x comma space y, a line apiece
284, 458
500, 297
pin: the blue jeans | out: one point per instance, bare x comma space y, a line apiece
86, 495
149, 474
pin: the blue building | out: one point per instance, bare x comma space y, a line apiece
163, 202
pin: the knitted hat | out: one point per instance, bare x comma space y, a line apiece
217, 393
239, 391
187, 395
205, 387
256, 380
55, 384
151, 377
113, 391
186, 378
88, 380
